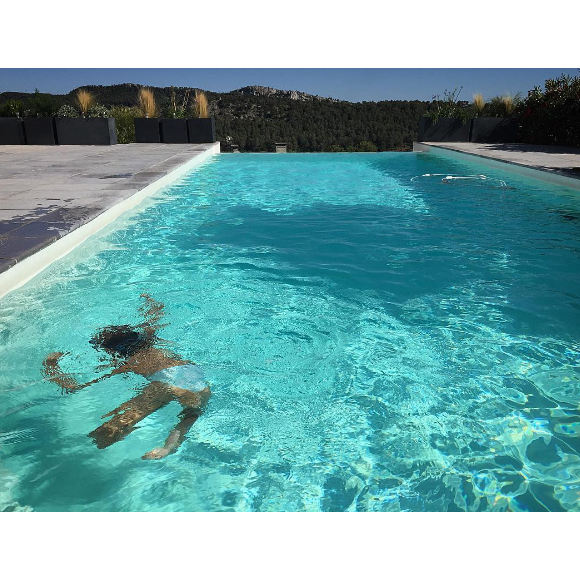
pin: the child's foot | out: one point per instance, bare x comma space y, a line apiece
157, 453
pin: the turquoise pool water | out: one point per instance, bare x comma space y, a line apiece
374, 342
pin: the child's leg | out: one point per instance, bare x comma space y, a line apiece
193, 403
127, 415
187, 418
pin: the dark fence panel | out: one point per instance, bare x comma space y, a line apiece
494, 130
446, 129
147, 130
40, 131
173, 130
11, 131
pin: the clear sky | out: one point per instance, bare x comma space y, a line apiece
346, 84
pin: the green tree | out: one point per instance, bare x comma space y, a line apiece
367, 146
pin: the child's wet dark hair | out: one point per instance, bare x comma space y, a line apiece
121, 340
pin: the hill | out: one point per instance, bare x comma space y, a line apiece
256, 117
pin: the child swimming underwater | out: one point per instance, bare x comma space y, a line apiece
170, 378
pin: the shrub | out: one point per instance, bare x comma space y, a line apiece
451, 106
177, 110
147, 104
504, 106
12, 108
367, 146
67, 111
40, 105
85, 101
495, 108
124, 121
200, 109
551, 116
509, 104
478, 104
448, 106
98, 111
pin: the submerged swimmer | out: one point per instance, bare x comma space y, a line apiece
133, 349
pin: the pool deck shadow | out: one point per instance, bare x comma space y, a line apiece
46, 192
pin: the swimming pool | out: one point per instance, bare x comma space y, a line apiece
374, 342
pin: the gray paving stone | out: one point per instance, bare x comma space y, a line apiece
36, 229
26, 205
47, 191
19, 248
7, 226
10, 191
20, 214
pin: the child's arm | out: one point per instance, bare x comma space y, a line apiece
152, 312
52, 371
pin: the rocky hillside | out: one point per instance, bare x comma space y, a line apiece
259, 91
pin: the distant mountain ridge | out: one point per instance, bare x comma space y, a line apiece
131, 89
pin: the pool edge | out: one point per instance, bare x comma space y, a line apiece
548, 176
24, 271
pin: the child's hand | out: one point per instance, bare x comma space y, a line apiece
51, 361
52, 371
50, 368
157, 453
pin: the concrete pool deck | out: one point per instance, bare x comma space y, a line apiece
52, 198
46, 192
554, 162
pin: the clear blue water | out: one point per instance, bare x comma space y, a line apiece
373, 343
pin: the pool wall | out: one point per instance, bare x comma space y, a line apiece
24, 271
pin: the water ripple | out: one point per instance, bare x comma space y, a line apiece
373, 343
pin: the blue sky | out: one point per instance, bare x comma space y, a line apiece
347, 84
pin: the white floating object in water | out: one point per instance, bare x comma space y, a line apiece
450, 178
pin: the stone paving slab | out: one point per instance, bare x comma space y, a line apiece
560, 160
48, 191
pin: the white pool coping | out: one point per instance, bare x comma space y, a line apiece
24, 271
